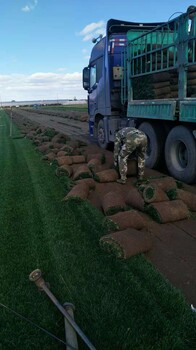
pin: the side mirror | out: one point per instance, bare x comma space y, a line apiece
86, 78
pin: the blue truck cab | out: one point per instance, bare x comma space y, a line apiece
102, 79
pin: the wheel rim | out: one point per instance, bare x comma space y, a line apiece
180, 155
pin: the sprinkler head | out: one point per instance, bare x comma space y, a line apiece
35, 275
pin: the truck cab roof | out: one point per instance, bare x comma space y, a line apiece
115, 26
118, 26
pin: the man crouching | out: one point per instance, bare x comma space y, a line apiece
127, 141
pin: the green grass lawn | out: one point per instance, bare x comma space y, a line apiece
72, 107
119, 304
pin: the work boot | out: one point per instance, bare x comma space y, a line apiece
121, 181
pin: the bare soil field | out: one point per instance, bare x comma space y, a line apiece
173, 251
58, 120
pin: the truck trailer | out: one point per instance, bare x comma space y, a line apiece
144, 75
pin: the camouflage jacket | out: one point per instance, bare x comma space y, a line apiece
127, 139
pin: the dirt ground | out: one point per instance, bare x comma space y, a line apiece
71, 127
174, 247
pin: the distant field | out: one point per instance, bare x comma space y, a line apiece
71, 107
120, 305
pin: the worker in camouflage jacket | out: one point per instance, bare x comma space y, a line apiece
128, 141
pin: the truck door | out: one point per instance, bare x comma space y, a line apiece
93, 90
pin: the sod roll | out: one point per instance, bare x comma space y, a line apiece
161, 85
126, 219
73, 143
172, 194
61, 154
67, 149
82, 172
162, 91
65, 160
99, 156
37, 142
78, 159
49, 156
44, 148
64, 170
80, 191
95, 165
191, 82
60, 138
152, 194
165, 183
77, 152
57, 145
174, 80
168, 211
191, 75
126, 243
173, 94
112, 203
135, 199
55, 150
132, 167
90, 183
160, 77
109, 175
192, 68
174, 87
188, 198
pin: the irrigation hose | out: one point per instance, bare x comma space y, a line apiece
36, 277
37, 326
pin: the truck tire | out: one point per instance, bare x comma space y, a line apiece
180, 154
155, 143
101, 135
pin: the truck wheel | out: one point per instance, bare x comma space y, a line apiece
101, 135
155, 143
180, 154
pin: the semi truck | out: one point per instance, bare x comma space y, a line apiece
144, 75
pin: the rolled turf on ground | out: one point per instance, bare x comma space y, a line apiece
135, 199
119, 304
90, 183
127, 243
152, 193
112, 203
131, 218
82, 172
188, 198
109, 175
64, 170
166, 183
168, 211
132, 167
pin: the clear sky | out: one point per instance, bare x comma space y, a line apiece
44, 44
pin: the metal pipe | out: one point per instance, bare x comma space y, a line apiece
36, 276
70, 334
